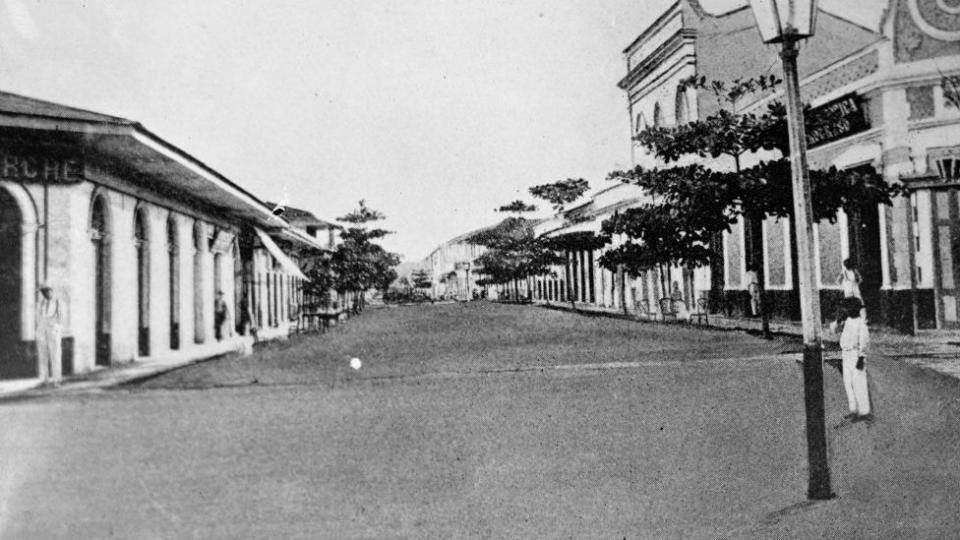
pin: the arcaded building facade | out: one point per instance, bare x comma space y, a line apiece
135, 237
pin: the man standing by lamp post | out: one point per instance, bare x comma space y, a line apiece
786, 22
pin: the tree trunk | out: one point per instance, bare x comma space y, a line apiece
716, 275
664, 282
756, 253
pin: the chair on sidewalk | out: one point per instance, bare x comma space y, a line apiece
701, 313
642, 308
667, 309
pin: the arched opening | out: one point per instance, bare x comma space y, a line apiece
240, 302
199, 336
682, 106
641, 124
219, 315
11, 283
141, 240
100, 234
173, 258
657, 116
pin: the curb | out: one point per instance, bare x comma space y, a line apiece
109, 381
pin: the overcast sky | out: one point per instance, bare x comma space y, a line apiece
435, 112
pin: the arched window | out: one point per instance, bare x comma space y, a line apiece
173, 258
683, 106
657, 116
199, 246
641, 124
141, 239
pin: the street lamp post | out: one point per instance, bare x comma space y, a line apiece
786, 22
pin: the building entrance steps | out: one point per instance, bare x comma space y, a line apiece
938, 350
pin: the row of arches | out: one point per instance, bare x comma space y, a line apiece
682, 112
101, 232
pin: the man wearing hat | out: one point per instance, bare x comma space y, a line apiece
220, 313
49, 331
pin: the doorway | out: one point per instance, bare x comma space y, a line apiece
100, 234
11, 282
863, 235
143, 283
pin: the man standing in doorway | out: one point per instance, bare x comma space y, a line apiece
219, 315
49, 333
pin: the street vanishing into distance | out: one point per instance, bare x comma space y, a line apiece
483, 420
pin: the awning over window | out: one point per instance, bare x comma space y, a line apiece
288, 265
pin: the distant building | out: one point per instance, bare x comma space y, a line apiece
582, 279
326, 234
319, 233
453, 270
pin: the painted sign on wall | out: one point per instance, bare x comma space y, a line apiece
54, 169
835, 120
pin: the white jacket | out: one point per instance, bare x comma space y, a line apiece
854, 336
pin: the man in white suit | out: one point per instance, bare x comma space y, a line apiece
49, 333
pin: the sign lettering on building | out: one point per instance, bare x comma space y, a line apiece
25, 168
835, 120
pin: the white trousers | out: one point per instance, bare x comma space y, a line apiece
855, 383
48, 351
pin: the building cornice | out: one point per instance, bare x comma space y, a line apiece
661, 21
641, 92
657, 58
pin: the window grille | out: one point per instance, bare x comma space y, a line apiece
948, 168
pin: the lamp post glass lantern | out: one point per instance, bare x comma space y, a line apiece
778, 19
785, 22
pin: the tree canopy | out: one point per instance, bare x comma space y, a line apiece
561, 193
517, 206
358, 263
421, 279
513, 252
